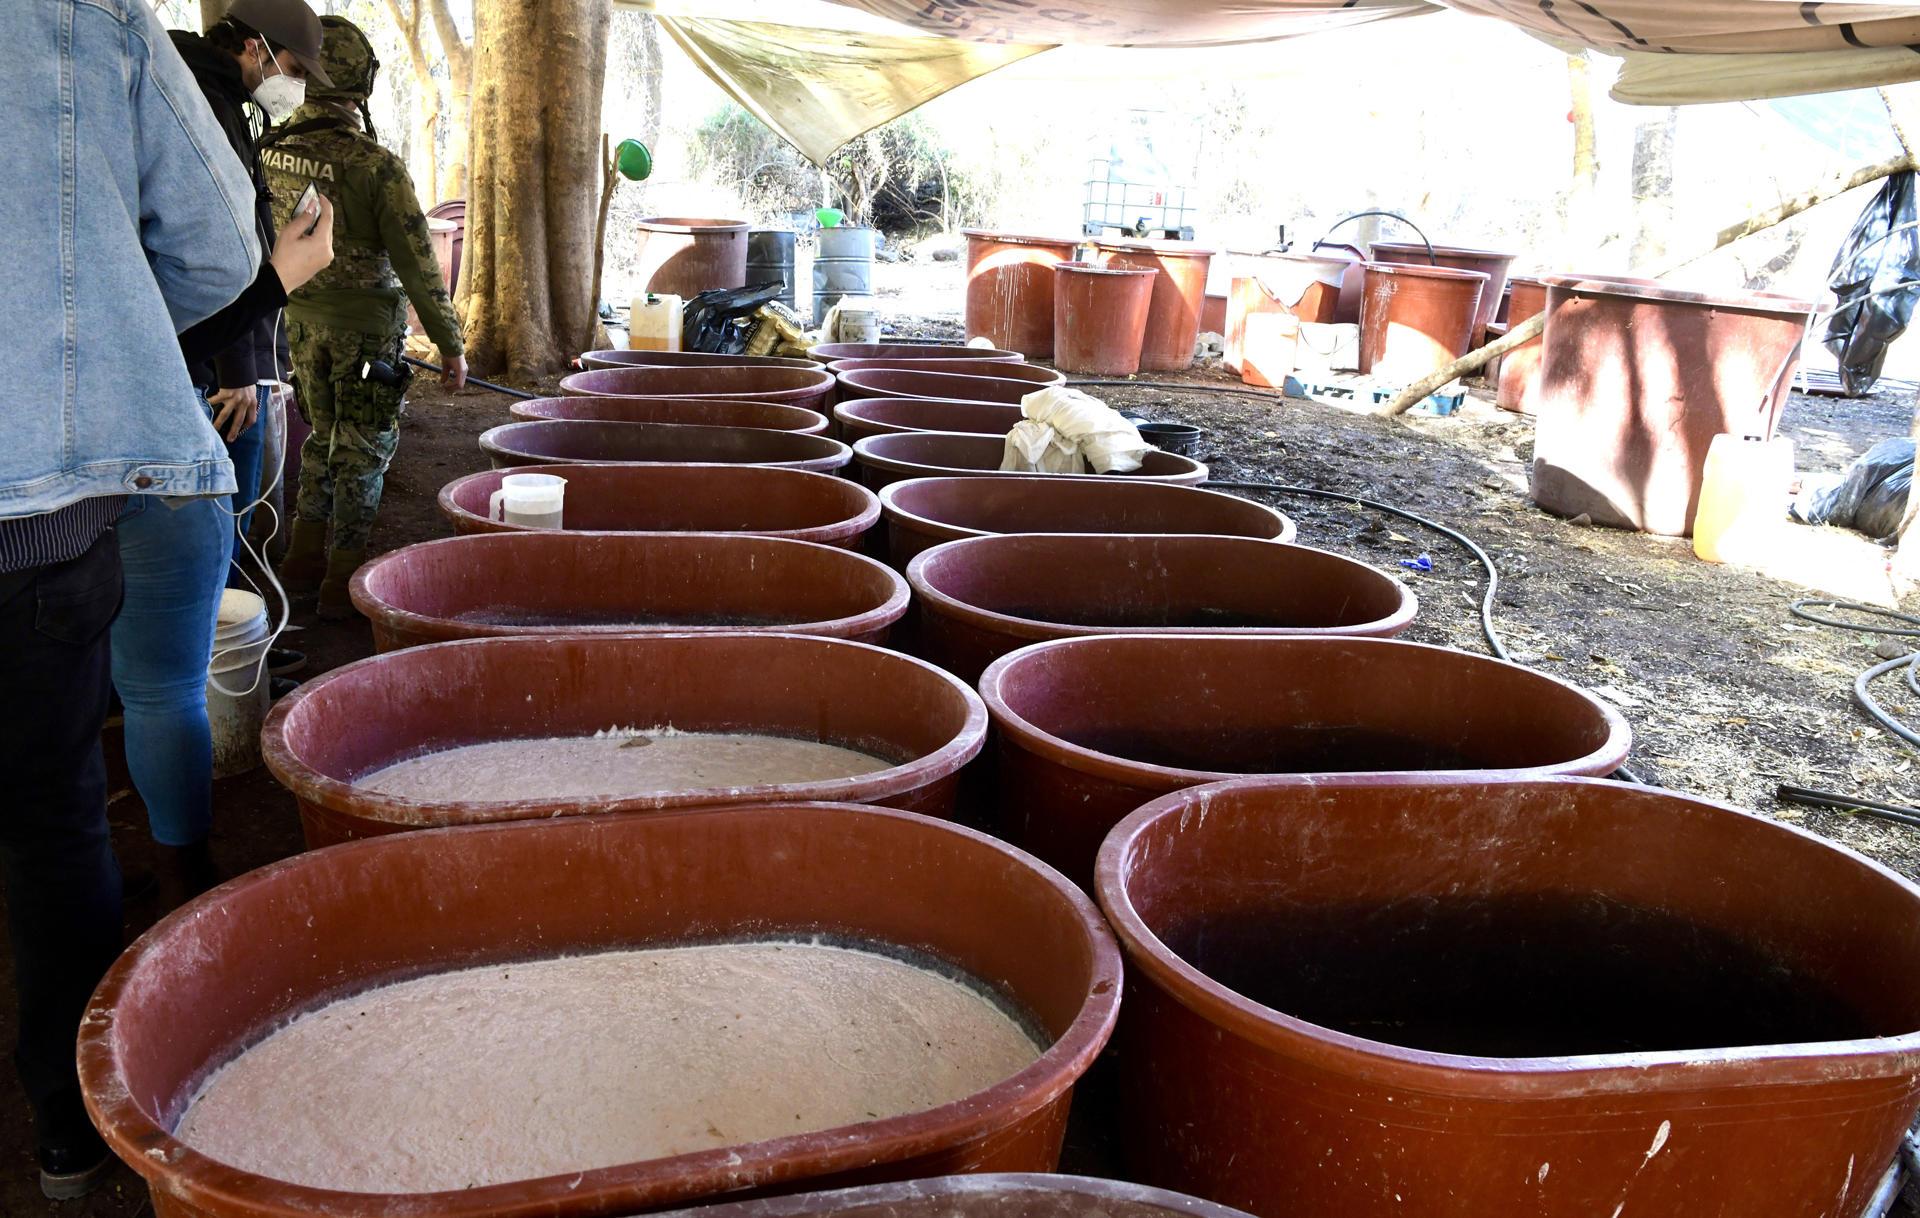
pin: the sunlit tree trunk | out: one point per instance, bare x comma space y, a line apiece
459, 55
423, 159
538, 70
1579, 241
1653, 186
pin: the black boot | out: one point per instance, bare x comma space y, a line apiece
184, 872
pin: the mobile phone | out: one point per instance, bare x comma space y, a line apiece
309, 203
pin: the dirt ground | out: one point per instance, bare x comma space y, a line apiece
1727, 694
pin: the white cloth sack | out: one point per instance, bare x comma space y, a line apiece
1064, 431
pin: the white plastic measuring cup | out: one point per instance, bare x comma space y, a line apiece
534, 501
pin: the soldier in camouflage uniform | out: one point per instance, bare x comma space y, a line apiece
352, 313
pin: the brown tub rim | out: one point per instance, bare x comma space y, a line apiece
830, 352
529, 411
309, 785
818, 383
943, 1194
1662, 293
385, 613
1036, 629
852, 526
639, 357
1193, 472
1605, 758
852, 414
217, 1187
889, 497
690, 224
1452, 1074
836, 456
1423, 271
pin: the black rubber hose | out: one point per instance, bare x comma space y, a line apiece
1862, 684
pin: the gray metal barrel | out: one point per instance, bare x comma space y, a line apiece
770, 258
843, 266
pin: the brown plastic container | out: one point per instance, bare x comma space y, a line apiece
1179, 293
548, 581
1305, 287
831, 352
1560, 998
712, 412
807, 387
1010, 289
912, 383
1417, 319
231, 966
1493, 264
983, 597
1009, 1195
1100, 317
1636, 379
1213, 313
621, 357
1519, 380
367, 715
1089, 729
941, 454
865, 417
566, 441
1007, 370
764, 501
684, 256
924, 512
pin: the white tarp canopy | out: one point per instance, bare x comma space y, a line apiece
821, 74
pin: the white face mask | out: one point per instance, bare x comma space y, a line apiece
280, 95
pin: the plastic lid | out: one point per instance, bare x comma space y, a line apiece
634, 160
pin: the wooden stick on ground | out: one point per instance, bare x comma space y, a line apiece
1467, 364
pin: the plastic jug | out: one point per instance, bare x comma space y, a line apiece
534, 501
1743, 498
653, 324
859, 320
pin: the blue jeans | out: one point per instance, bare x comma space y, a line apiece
174, 560
245, 452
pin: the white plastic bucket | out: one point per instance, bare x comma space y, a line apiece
535, 501
238, 688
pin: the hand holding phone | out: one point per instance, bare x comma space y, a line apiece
309, 205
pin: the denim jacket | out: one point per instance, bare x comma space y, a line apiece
124, 218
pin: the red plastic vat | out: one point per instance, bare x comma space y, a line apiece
1100, 317
794, 386
765, 501
1636, 379
621, 357
562, 441
234, 964
1089, 729
1213, 313
939, 454
1010, 289
1519, 379
1009, 1195
831, 352
924, 512
1008, 387
360, 718
1305, 287
1002, 369
983, 597
1493, 264
1560, 998
555, 582
1417, 319
684, 256
714, 412
1179, 293
865, 417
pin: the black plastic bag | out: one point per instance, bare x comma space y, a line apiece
1872, 498
1871, 260
719, 321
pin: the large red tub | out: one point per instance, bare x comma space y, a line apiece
699, 412
1009, 387
760, 499
923, 512
227, 969
982, 597
620, 357
795, 386
1365, 998
598, 442
863, 417
1010, 1195
886, 459
917, 351
1088, 729
365, 716
556, 582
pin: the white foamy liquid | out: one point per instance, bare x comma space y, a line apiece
641, 763
513, 1072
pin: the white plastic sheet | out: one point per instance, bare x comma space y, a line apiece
1065, 431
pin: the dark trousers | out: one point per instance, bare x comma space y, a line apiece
63, 885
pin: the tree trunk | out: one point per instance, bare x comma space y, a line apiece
1653, 186
539, 67
423, 160
1578, 240
653, 74
459, 94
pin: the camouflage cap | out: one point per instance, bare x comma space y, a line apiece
349, 60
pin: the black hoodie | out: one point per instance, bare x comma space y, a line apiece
251, 357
